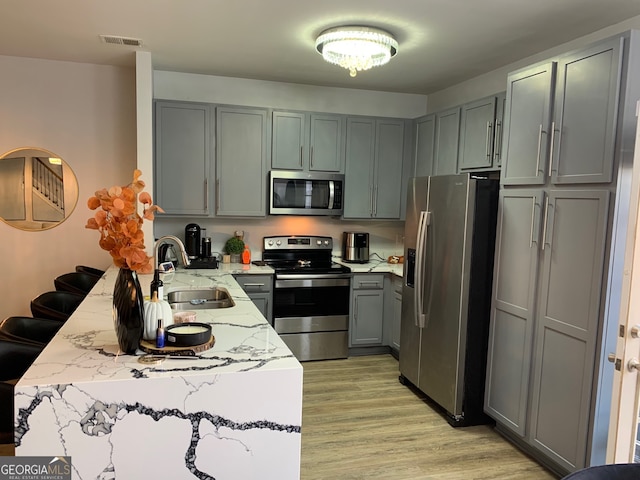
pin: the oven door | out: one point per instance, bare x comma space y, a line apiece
311, 315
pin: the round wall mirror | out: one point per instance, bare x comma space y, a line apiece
38, 190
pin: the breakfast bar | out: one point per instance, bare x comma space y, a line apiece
233, 411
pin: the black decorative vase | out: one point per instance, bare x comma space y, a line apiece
128, 310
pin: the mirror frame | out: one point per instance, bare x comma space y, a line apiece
69, 183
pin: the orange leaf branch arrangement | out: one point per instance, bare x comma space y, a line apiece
120, 225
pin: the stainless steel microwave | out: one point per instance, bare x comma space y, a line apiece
305, 193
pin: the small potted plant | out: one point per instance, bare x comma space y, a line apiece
234, 247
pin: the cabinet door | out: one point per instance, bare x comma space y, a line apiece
573, 243
512, 309
397, 316
501, 100
358, 197
288, 140
263, 302
367, 316
327, 143
389, 155
477, 126
527, 125
182, 157
446, 152
585, 114
425, 145
241, 155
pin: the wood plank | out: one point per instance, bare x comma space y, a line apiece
359, 422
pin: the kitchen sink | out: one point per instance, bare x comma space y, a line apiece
200, 299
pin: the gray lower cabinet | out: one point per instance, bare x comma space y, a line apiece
259, 288
549, 271
396, 284
307, 141
183, 157
425, 130
241, 162
374, 172
445, 159
480, 131
367, 310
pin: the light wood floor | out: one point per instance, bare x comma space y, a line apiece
359, 422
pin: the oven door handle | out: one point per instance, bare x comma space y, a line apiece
296, 281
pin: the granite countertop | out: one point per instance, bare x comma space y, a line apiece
372, 266
85, 349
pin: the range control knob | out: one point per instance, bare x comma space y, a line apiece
319, 242
278, 243
270, 243
326, 242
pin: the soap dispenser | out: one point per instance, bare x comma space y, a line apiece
246, 255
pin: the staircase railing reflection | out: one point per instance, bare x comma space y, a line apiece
48, 183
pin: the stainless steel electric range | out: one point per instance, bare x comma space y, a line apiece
310, 296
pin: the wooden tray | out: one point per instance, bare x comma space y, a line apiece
148, 347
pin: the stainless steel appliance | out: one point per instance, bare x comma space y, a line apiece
446, 295
310, 296
192, 235
305, 193
355, 247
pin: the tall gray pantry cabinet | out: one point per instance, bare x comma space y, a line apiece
568, 143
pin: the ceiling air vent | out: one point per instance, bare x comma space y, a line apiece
117, 40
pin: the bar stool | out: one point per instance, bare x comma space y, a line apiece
38, 331
90, 270
15, 359
58, 305
76, 282
620, 471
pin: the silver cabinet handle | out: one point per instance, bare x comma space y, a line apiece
301, 149
375, 200
488, 140
533, 212
311, 156
254, 284
544, 226
217, 195
553, 134
497, 143
539, 147
206, 195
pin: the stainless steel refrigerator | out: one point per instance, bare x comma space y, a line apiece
446, 296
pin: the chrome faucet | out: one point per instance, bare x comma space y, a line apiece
178, 242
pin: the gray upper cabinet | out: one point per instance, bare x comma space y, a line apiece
425, 130
586, 106
183, 157
480, 126
561, 118
289, 146
307, 141
241, 161
445, 161
374, 168
527, 124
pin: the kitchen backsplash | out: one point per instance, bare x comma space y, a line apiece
385, 237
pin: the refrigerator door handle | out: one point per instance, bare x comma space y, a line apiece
421, 241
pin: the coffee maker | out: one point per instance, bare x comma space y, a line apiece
192, 238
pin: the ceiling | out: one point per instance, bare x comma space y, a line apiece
442, 42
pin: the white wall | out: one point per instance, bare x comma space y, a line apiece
85, 114
496, 81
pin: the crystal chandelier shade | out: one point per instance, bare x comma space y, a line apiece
356, 48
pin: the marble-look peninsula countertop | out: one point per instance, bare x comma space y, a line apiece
234, 412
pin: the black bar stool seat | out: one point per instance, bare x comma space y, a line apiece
90, 270
76, 282
38, 331
618, 471
58, 305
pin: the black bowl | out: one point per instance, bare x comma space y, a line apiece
187, 334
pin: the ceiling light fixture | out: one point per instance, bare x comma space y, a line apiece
356, 48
